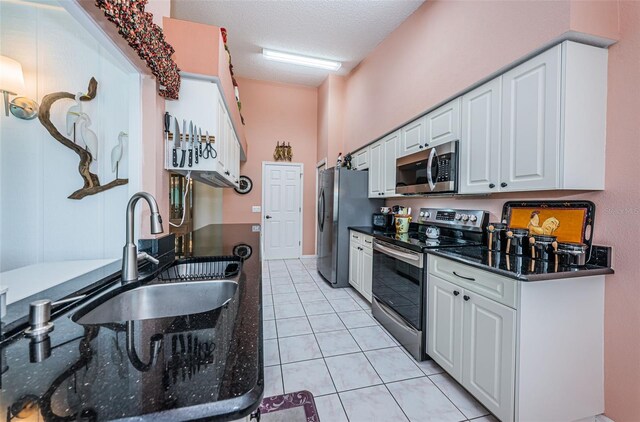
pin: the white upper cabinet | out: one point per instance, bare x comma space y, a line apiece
480, 140
382, 166
413, 137
391, 143
531, 124
443, 124
376, 163
540, 126
360, 159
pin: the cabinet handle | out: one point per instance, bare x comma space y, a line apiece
492, 185
367, 241
421, 146
503, 184
355, 237
426, 144
456, 293
461, 276
465, 297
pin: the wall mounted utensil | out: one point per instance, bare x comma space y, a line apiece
190, 144
176, 141
183, 143
200, 141
209, 151
195, 143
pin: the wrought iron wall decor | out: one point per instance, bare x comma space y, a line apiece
91, 182
147, 39
283, 152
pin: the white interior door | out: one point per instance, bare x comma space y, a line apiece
282, 210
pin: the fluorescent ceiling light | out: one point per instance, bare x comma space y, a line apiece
280, 56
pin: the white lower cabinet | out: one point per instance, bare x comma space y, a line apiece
361, 263
473, 339
528, 351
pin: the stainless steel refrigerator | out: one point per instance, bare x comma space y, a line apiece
342, 202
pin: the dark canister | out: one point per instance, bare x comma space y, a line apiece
496, 236
572, 254
517, 241
543, 247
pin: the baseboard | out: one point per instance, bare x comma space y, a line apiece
308, 256
596, 418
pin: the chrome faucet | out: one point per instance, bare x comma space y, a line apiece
130, 255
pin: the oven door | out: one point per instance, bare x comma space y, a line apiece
398, 278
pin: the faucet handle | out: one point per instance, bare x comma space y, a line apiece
147, 257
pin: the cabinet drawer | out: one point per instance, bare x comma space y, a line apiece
500, 289
366, 240
356, 237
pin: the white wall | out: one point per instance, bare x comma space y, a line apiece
37, 174
207, 207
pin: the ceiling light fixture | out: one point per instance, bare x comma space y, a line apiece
280, 56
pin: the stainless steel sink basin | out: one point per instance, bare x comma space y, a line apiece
161, 301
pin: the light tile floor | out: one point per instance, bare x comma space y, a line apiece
325, 340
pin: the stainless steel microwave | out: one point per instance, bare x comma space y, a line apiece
429, 171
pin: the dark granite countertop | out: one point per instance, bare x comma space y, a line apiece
521, 268
517, 267
210, 365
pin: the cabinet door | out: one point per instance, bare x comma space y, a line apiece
361, 159
354, 265
443, 124
489, 344
391, 145
531, 124
413, 137
367, 272
480, 140
376, 169
444, 325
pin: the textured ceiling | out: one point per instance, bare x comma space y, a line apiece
343, 30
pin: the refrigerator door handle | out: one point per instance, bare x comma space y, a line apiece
321, 210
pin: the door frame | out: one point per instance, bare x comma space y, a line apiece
262, 219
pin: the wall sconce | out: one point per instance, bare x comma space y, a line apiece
11, 83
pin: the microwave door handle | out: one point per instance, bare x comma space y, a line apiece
432, 155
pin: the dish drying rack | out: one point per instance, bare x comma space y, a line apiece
203, 268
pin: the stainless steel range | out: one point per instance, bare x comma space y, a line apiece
400, 273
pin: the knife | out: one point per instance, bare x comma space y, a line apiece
196, 142
183, 144
190, 143
176, 141
200, 141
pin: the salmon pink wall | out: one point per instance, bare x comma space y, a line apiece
274, 113
331, 97
446, 46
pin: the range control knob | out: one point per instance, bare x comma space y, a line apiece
421, 213
458, 216
465, 217
427, 214
473, 218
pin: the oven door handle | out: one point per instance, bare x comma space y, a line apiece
432, 156
392, 252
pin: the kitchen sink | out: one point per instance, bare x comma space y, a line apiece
160, 301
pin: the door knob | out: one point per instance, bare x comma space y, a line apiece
267, 216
